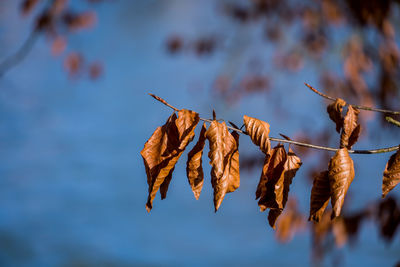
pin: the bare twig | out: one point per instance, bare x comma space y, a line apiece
356, 106
373, 151
393, 121
20, 55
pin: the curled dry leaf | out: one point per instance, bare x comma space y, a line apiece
341, 174
270, 187
351, 128
292, 165
222, 147
233, 166
335, 112
391, 174
320, 195
194, 168
163, 149
261, 189
258, 131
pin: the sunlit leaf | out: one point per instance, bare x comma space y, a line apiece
163, 149
351, 128
335, 112
222, 146
258, 131
341, 174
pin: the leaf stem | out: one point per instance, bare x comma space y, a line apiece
373, 151
356, 106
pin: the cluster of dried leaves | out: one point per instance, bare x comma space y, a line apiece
166, 145
334, 183
278, 171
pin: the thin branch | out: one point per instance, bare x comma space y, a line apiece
393, 121
163, 101
356, 106
20, 55
374, 151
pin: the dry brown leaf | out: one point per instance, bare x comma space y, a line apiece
354, 136
320, 195
335, 112
351, 129
391, 174
222, 144
233, 163
270, 188
186, 122
163, 149
258, 131
341, 174
261, 189
194, 169
292, 165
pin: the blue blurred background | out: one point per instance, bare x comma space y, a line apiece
72, 181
